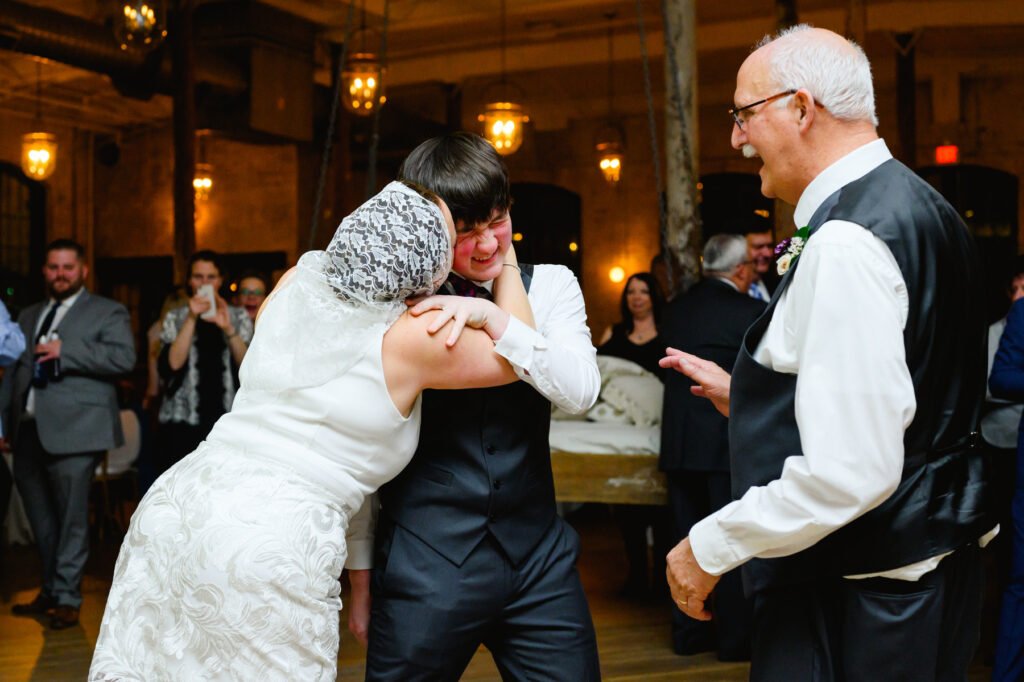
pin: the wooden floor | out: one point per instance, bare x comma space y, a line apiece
633, 635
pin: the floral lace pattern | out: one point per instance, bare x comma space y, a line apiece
237, 582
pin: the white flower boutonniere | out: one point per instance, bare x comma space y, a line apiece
788, 250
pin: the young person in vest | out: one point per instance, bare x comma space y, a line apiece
860, 500
468, 546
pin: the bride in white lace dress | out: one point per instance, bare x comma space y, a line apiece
230, 567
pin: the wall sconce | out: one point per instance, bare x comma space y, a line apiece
202, 183
616, 274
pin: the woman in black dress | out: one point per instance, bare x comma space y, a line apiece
636, 338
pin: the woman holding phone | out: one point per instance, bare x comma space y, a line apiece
203, 346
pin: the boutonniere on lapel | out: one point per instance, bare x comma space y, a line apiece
788, 249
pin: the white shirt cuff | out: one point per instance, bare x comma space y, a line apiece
360, 554
518, 343
711, 548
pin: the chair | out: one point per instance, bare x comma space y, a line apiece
118, 464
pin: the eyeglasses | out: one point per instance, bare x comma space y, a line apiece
251, 292
735, 111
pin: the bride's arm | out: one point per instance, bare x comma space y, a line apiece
280, 285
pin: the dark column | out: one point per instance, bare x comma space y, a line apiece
906, 97
184, 137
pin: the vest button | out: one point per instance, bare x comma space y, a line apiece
497, 484
490, 517
490, 449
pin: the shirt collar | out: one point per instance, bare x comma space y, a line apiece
726, 280
488, 285
853, 166
67, 302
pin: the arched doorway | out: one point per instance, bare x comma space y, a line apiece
22, 238
548, 218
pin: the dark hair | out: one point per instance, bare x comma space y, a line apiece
464, 170
209, 256
66, 245
657, 300
1016, 269
254, 274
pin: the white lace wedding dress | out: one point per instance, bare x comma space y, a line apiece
230, 567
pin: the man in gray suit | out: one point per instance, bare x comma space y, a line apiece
59, 408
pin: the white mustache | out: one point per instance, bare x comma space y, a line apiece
749, 151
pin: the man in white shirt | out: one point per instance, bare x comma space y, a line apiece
469, 549
859, 494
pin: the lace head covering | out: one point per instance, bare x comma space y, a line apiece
339, 302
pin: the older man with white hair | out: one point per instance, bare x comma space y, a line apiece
853, 403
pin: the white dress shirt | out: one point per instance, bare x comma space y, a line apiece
62, 310
839, 327
557, 358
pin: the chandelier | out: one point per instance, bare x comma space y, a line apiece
610, 143
39, 149
503, 117
363, 72
140, 25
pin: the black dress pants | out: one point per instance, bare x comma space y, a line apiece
692, 496
872, 630
429, 616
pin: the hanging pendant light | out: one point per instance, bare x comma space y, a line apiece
610, 143
140, 25
39, 149
363, 75
503, 117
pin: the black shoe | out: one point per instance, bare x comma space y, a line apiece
37, 607
64, 617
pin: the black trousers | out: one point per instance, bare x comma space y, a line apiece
874, 629
429, 616
692, 496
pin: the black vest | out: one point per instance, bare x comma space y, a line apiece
483, 464
943, 500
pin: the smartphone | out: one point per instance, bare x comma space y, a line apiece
206, 291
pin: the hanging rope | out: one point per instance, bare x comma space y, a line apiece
371, 171
335, 100
662, 211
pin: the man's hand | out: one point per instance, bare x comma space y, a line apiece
478, 313
689, 583
359, 605
47, 351
713, 381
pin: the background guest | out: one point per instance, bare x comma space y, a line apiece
199, 361
12, 345
708, 321
60, 403
1007, 381
253, 288
761, 250
636, 338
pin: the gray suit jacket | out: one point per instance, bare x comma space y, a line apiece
80, 412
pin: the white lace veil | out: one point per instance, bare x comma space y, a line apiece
339, 302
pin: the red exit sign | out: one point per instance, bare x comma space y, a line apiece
947, 153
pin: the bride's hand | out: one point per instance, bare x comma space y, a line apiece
510, 254
463, 311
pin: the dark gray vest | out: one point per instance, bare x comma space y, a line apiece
483, 464
943, 500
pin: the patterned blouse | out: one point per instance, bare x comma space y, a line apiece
183, 404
